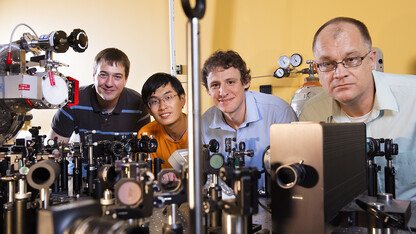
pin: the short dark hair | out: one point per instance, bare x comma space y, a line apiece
360, 26
112, 56
158, 80
225, 60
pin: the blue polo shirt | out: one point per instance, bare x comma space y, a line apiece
262, 110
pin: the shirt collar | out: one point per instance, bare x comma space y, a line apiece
383, 100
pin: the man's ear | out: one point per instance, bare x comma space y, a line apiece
373, 58
183, 99
315, 66
148, 110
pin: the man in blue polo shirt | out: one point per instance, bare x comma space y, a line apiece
238, 113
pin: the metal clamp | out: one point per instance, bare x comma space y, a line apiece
198, 11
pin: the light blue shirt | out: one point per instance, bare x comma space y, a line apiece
262, 110
393, 116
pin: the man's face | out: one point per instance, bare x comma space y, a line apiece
348, 86
109, 81
165, 105
227, 91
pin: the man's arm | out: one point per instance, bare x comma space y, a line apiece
52, 134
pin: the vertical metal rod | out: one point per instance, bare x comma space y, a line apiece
172, 38
44, 197
173, 214
194, 129
92, 169
11, 191
22, 187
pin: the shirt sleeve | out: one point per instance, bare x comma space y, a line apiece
63, 122
286, 115
144, 116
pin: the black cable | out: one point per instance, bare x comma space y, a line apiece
263, 206
262, 76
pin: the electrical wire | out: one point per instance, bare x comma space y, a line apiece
262, 76
263, 206
9, 54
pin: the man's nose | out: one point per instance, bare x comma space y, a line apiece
109, 81
222, 90
340, 71
162, 104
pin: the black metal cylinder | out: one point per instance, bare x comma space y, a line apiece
77, 174
389, 178
64, 175
215, 216
91, 175
372, 179
55, 186
98, 189
157, 166
21, 217
149, 164
8, 218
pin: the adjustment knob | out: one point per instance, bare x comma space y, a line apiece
214, 145
78, 40
55, 41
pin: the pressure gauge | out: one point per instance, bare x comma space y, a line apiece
50, 142
216, 161
283, 61
296, 60
280, 73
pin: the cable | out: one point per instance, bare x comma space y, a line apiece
9, 53
262, 76
263, 206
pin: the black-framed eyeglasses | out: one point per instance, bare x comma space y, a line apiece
156, 102
347, 63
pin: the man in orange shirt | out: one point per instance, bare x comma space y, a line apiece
165, 98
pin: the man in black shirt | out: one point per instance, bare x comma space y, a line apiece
106, 106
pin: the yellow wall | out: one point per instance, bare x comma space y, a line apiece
261, 31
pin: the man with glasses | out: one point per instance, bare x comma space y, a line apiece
354, 92
106, 106
239, 113
165, 98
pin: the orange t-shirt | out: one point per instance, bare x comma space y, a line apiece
165, 146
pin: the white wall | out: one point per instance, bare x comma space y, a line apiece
139, 28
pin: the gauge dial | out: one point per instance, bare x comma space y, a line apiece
283, 61
296, 60
280, 72
50, 142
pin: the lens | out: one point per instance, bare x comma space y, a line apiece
287, 176
117, 148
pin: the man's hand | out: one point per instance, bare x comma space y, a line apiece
170, 176
52, 134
